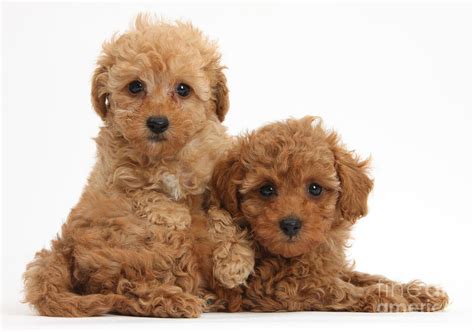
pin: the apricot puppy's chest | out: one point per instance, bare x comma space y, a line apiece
172, 186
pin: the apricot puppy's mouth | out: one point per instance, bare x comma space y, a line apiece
157, 138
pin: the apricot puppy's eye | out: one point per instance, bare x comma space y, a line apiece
183, 89
135, 87
267, 190
315, 189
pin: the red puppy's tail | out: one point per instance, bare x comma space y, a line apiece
48, 288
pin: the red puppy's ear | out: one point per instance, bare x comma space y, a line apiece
98, 91
355, 182
227, 176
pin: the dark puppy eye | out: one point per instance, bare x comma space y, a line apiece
183, 89
135, 87
315, 189
267, 190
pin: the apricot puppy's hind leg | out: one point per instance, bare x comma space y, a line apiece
155, 300
233, 256
48, 288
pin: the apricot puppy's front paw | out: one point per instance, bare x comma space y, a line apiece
160, 209
233, 263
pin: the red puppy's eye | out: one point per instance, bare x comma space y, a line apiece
267, 190
315, 189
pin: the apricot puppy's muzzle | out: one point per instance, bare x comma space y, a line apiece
157, 124
290, 226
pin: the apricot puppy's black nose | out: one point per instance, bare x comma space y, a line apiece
157, 124
290, 226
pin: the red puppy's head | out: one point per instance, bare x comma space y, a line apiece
293, 183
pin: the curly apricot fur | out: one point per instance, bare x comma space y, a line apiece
140, 241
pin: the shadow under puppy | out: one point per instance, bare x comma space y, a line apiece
139, 241
299, 191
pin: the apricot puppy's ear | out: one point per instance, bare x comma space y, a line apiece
98, 91
226, 178
221, 94
355, 182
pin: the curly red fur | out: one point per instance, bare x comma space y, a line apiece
142, 239
308, 271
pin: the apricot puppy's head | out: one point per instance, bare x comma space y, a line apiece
293, 183
159, 84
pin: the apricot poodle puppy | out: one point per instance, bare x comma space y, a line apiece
299, 191
142, 240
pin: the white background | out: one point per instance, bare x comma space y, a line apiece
393, 79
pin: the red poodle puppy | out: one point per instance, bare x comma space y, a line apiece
297, 189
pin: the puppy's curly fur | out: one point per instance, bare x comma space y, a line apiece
323, 188
139, 241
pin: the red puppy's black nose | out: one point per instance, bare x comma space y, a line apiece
157, 124
290, 226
